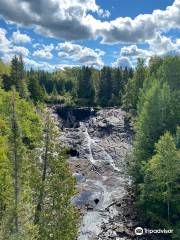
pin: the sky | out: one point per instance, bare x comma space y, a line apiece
53, 34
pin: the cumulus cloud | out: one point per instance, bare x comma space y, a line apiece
104, 13
8, 49
73, 20
45, 52
65, 19
19, 50
45, 65
20, 38
141, 28
81, 55
162, 45
4, 42
134, 51
122, 62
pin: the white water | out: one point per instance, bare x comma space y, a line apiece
90, 142
108, 186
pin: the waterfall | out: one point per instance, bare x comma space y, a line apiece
90, 142
105, 182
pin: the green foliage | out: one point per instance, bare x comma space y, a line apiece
159, 198
156, 157
152, 120
57, 217
85, 88
105, 87
170, 72
22, 140
36, 91
134, 85
17, 125
4, 71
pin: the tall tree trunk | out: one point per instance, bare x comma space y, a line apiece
44, 173
168, 202
15, 136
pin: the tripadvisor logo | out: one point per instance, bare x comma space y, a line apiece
139, 231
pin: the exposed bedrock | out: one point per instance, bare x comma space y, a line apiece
99, 143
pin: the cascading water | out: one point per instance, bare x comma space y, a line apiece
102, 144
91, 142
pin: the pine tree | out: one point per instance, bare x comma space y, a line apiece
15, 72
170, 72
16, 155
151, 123
134, 86
17, 76
6, 180
6, 82
36, 92
55, 216
159, 193
85, 89
117, 82
105, 87
54, 91
21, 124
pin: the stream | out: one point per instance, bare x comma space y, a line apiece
99, 142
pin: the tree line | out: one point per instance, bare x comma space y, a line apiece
73, 86
153, 96
36, 184
149, 93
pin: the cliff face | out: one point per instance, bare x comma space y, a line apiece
99, 142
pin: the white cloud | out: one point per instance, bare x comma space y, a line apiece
4, 42
20, 38
73, 20
161, 45
36, 45
42, 54
122, 62
104, 13
45, 52
142, 28
45, 65
80, 54
65, 19
19, 50
31, 63
8, 49
134, 51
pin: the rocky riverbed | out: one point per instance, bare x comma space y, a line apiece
99, 142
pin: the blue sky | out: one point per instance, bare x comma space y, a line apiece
88, 32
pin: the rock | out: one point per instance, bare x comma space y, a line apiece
98, 143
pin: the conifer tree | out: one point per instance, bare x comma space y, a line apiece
55, 216
17, 76
134, 85
85, 88
159, 193
36, 91
105, 86
151, 123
